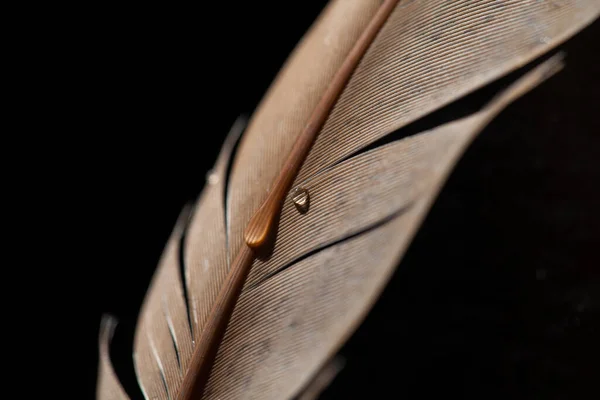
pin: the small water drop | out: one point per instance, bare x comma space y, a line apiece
301, 199
212, 177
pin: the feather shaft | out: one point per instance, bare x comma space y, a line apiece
206, 350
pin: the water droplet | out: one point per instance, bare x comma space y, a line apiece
212, 178
301, 199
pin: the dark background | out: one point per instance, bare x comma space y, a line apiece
498, 295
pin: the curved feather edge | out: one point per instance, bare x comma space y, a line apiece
322, 380
108, 386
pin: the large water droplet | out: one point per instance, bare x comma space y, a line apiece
301, 199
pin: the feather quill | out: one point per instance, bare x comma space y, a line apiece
326, 267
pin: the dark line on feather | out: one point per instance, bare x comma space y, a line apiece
160, 366
164, 382
181, 260
170, 326
457, 109
175, 348
316, 250
243, 120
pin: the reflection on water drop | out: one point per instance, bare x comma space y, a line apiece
301, 199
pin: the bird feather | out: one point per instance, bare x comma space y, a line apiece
327, 265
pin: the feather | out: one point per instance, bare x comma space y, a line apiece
248, 323
322, 380
108, 386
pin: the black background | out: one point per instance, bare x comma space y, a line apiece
496, 298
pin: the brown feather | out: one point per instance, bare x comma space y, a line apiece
328, 264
